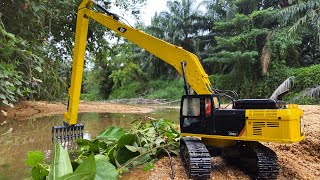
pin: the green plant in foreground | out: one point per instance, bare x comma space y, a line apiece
114, 151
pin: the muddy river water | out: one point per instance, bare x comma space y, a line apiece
19, 137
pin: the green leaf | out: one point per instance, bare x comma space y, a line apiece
38, 69
112, 133
105, 170
77, 176
122, 155
141, 160
39, 173
148, 166
85, 170
2, 96
159, 140
133, 148
126, 139
82, 142
61, 163
34, 157
88, 165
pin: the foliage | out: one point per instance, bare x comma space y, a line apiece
278, 72
156, 89
114, 151
34, 161
130, 72
302, 13
166, 89
19, 68
38, 49
131, 90
307, 77
243, 45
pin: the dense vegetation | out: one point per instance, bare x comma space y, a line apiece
113, 152
244, 45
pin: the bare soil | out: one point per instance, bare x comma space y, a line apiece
297, 161
28, 109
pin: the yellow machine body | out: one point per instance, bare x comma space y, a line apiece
265, 125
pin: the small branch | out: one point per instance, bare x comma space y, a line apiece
172, 170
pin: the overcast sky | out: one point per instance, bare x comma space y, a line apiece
147, 11
152, 7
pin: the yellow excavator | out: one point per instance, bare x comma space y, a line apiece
207, 129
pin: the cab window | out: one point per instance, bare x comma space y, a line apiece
191, 107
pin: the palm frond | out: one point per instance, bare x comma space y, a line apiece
313, 93
285, 86
266, 55
300, 14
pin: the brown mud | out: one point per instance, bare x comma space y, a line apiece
297, 161
28, 109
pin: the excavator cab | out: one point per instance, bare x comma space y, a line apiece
247, 119
195, 113
200, 115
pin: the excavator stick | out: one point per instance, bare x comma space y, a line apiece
67, 133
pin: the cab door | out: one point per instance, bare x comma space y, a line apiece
196, 114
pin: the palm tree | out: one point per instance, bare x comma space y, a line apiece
302, 13
183, 25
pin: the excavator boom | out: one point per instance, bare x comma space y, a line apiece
171, 54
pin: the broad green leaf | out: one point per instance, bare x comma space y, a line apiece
112, 133
122, 155
141, 160
39, 173
88, 165
105, 170
61, 163
85, 170
126, 139
34, 157
78, 176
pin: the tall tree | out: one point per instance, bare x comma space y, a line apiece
302, 13
47, 31
182, 25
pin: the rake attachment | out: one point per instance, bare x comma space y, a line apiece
67, 133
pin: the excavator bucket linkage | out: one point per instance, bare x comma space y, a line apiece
67, 133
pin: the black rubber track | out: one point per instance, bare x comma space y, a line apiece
257, 160
195, 158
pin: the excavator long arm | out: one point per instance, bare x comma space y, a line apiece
171, 54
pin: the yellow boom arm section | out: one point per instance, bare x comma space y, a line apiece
171, 54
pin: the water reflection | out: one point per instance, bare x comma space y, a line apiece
19, 137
